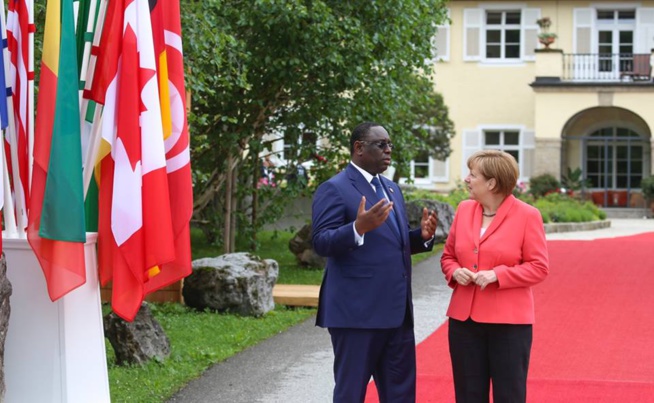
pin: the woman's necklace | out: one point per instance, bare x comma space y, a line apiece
489, 214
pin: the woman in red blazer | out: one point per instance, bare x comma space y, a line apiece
494, 253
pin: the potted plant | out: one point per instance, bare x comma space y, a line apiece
545, 37
544, 23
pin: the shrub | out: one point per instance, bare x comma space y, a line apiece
647, 187
561, 208
541, 185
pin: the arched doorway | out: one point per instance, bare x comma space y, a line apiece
612, 148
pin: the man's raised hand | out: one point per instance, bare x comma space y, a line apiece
368, 220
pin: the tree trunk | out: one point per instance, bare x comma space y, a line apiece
227, 236
234, 204
255, 205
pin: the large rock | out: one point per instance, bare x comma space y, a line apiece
302, 248
139, 341
444, 211
236, 282
5, 310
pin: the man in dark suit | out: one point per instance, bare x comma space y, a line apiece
365, 297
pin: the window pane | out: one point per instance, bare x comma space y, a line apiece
636, 167
513, 36
594, 181
606, 38
513, 17
492, 138
626, 15
515, 154
604, 15
422, 158
622, 167
493, 17
592, 152
592, 167
512, 138
621, 152
513, 52
623, 132
493, 52
636, 152
493, 36
421, 171
635, 181
621, 181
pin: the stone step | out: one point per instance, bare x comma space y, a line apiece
296, 294
626, 212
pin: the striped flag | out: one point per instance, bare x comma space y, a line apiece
19, 30
56, 229
135, 232
4, 113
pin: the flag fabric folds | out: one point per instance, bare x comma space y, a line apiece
56, 229
18, 32
142, 240
166, 15
4, 113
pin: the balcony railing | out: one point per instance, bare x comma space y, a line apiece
607, 67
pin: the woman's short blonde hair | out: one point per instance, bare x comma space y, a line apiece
498, 165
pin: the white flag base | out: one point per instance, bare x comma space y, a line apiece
54, 351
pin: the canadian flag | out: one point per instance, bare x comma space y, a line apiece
135, 226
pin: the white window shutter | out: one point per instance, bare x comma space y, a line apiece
529, 33
440, 43
471, 144
644, 30
473, 22
439, 171
583, 40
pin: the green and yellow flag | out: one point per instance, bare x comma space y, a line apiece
56, 226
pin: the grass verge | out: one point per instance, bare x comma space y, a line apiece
198, 340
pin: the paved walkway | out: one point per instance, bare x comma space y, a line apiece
296, 366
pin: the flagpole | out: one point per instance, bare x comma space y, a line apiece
30, 92
20, 212
91, 151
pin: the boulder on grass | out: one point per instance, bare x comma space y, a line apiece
139, 341
444, 211
241, 283
302, 248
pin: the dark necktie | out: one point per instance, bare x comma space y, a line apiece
380, 193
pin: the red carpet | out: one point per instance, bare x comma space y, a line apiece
594, 330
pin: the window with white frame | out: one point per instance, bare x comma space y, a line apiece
493, 33
425, 170
515, 140
504, 140
503, 34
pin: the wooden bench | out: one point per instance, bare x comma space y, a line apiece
296, 295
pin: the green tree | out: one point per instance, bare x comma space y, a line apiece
300, 67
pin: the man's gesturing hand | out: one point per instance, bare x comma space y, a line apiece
428, 224
368, 220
